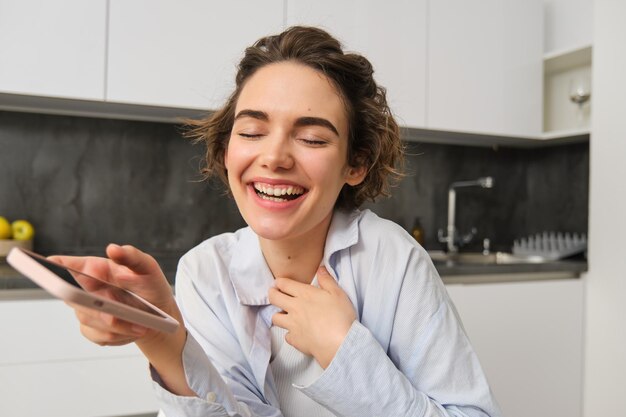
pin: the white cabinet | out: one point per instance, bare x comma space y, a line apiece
48, 369
485, 66
182, 54
568, 24
53, 48
391, 35
528, 337
447, 65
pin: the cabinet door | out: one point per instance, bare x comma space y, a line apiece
182, 54
528, 337
48, 369
391, 36
568, 24
485, 66
53, 48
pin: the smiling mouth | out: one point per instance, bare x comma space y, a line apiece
278, 193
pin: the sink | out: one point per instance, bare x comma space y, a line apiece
478, 258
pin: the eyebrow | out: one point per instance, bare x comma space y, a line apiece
316, 121
300, 122
255, 114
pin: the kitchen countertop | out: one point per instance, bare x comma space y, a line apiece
452, 269
479, 273
14, 286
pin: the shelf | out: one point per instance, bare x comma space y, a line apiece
560, 137
567, 59
566, 134
87, 108
562, 70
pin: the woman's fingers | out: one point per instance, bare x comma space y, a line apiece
74, 262
85, 269
280, 299
291, 287
137, 261
326, 281
107, 327
281, 320
139, 272
105, 338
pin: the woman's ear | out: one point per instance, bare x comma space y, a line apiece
355, 175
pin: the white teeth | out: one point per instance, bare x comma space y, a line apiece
278, 200
278, 191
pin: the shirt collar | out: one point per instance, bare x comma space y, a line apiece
343, 233
252, 278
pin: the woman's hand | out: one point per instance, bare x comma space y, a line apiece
317, 319
128, 268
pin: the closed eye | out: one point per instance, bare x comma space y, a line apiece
250, 135
314, 142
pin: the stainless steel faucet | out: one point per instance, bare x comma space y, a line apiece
453, 240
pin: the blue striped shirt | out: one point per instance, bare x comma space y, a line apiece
406, 354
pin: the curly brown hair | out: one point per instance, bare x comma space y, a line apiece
373, 138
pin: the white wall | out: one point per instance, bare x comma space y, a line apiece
605, 362
567, 24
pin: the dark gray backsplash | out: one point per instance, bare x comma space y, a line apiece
535, 190
85, 182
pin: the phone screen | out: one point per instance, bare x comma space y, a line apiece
94, 285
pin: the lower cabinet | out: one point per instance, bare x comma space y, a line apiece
529, 338
48, 369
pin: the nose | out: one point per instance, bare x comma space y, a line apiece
276, 153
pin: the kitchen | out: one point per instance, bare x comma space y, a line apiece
97, 160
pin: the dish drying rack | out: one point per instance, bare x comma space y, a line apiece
551, 245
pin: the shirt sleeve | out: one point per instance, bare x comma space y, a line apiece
217, 397
428, 369
218, 376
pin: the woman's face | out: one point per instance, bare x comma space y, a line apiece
287, 153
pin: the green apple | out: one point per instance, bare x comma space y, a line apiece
22, 230
5, 228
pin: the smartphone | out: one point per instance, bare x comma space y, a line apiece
64, 283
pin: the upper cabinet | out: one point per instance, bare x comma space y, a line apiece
447, 65
391, 35
53, 48
182, 54
568, 25
485, 66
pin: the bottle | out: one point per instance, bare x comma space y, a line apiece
418, 231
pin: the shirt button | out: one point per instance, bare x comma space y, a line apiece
211, 397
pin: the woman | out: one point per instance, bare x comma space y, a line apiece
316, 308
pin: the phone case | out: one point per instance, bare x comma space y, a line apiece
22, 260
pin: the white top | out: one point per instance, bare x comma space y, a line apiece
292, 368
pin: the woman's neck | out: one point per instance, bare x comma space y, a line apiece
297, 258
